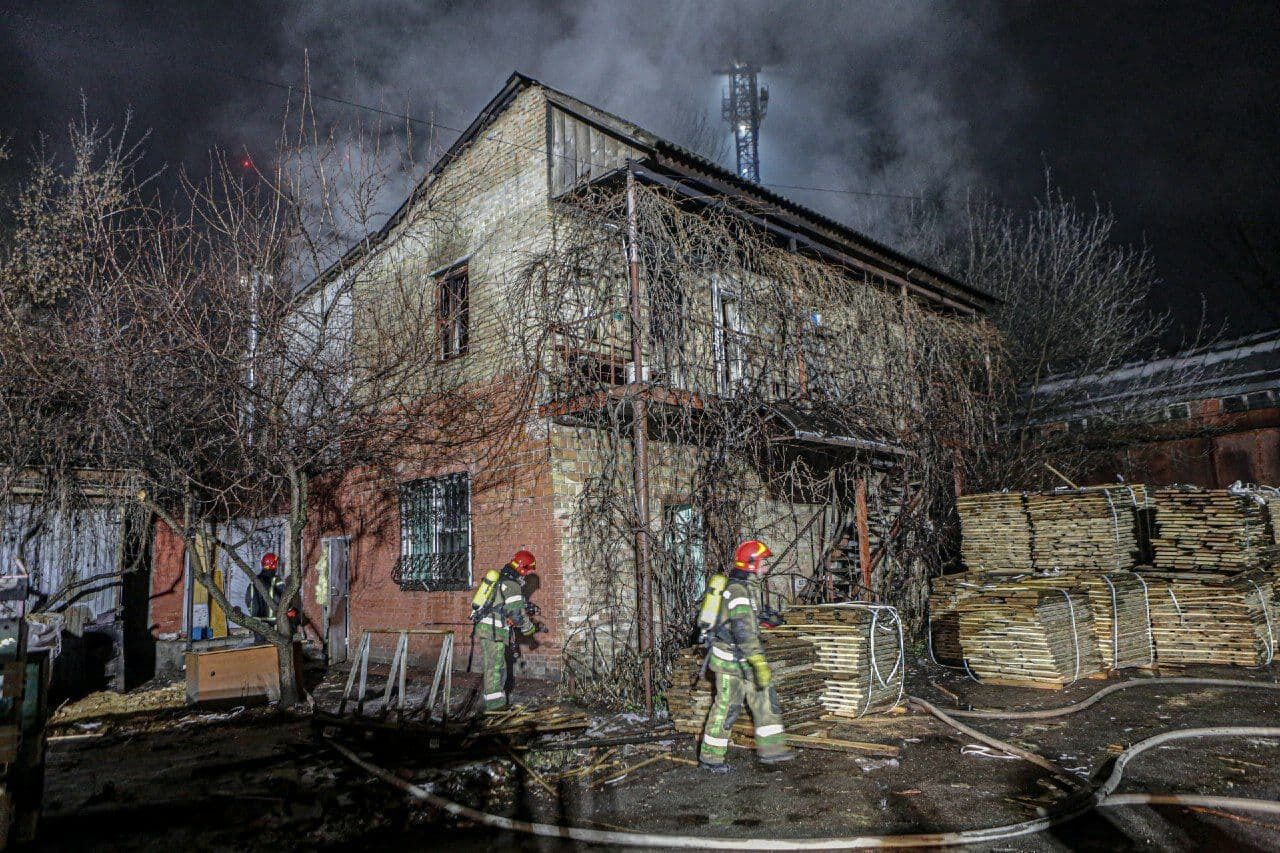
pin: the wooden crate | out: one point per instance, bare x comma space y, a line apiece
249, 672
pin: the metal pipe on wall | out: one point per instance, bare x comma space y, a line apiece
640, 452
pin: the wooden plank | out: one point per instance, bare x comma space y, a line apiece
242, 673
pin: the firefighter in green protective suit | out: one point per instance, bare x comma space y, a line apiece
741, 671
498, 608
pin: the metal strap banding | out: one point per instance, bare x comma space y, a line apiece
1271, 639
1151, 636
1075, 631
1115, 625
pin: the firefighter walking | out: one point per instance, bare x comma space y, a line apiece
737, 660
498, 608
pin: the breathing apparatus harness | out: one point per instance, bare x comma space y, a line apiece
485, 602
711, 617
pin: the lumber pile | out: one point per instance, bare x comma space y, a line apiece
1204, 618
1223, 531
944, 620
1120, 609
1028, 634
1120, 603
1089, 529
792, 661
1270, 496
995, 531
859, 654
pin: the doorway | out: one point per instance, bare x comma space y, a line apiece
338, 610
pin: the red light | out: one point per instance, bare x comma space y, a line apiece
247, 163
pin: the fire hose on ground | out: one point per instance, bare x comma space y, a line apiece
1085, 799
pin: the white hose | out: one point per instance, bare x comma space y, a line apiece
1095, 698
1243, 804
1080, 803
698, 842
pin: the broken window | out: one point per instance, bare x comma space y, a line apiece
1257, 400
455, 311
435, 534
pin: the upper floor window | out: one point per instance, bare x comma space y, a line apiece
730, 338
453, 286
435, 534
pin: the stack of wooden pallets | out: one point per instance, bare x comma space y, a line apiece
1210, 530
1205, 618
995, 530
1091, 529
1028, 632
944, 620
792, 661
860, 655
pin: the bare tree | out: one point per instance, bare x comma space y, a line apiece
1074, 304
65, 240
245, 358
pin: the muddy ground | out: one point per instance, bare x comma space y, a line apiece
254, 778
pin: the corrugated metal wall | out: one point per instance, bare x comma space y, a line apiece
68, 547
252, 538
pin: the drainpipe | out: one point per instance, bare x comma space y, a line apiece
640, 452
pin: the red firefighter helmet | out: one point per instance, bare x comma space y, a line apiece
750, 556
523, 563
270, 561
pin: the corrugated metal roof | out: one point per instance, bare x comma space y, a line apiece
1229, 368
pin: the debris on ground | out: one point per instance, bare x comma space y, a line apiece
107, 704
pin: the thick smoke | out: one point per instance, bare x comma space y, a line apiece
865, 96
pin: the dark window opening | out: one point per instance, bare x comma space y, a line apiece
1258, 400
435, 534
1179, 412
1233, 404
455, 312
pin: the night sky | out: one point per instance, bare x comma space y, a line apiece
1166, 113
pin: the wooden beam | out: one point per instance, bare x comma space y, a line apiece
860, 522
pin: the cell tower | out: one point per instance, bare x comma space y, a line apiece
743, 106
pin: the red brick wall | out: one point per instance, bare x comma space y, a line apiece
511, 508
167, 553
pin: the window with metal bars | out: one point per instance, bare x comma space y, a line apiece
435, 534
455, 312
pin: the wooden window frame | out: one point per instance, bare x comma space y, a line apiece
453, 301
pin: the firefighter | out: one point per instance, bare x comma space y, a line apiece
498, 608
741, 671
265, 608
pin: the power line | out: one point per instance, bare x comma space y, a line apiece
844, 192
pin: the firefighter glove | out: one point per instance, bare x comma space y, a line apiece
760, 667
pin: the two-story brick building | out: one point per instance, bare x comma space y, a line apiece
495, 209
